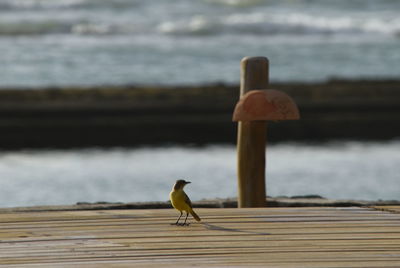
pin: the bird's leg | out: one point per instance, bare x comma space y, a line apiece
176, 223
187, 214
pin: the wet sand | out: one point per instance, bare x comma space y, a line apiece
143, 115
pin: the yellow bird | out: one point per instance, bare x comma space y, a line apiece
181, 201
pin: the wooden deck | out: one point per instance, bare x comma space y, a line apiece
265, 237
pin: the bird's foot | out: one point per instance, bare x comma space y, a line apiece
181, 224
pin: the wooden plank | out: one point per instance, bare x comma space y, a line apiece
267, 237
394, 209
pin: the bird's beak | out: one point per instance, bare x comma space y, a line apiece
187, 182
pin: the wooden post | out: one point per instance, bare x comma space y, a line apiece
251, 141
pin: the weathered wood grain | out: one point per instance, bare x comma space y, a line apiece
263, 237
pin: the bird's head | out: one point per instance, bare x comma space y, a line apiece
179, 184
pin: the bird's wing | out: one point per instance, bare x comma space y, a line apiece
187, 200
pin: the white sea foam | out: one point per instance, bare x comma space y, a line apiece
210, 34
260, 20
236, 3
35, 4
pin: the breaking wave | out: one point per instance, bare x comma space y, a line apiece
215, 17
361, 35
292, 24
55, 27
10, 5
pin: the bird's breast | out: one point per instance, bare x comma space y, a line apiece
178, 200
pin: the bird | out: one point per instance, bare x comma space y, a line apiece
180, 201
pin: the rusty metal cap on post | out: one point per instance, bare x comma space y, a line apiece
263, 105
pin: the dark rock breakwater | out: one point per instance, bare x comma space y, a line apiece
136, 116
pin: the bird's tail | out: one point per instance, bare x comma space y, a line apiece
195, 216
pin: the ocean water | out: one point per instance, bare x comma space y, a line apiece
175, 42
341, 170
178, 42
